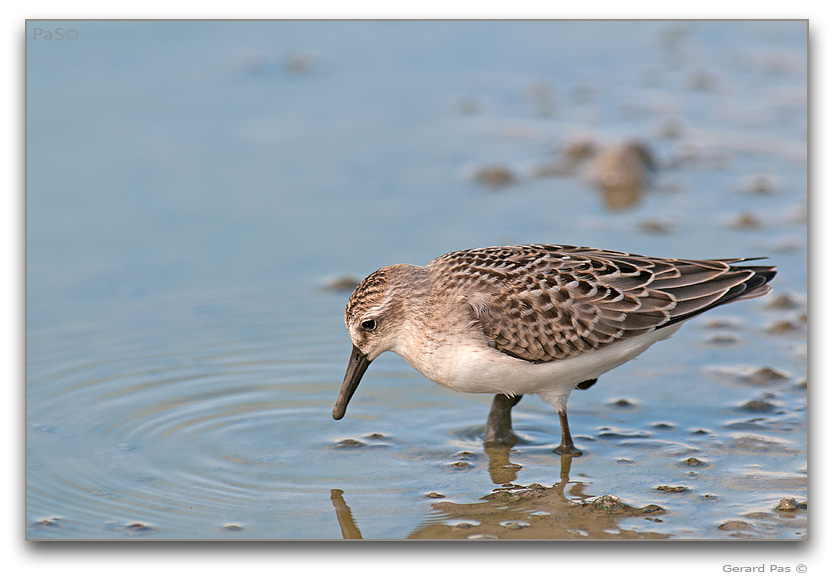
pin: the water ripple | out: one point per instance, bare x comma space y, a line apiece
142, 426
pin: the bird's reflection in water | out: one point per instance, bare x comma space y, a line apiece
512, 511
503, 471
346, 522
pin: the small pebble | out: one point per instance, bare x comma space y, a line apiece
694, 462
434, 495
702, 81
723, 339
528, 493
623, 166
656, 227
735, 526
299, 64
341, 284
653, 509
608, 502
783, 302
783, 327
671, 488
747, 221
495, 176
672, 36
138, 528
349, 443
789, 504
460, 465
758, 406
579, 149
717, 323
759, 184
766, 375
514, 525
469, 105
465, 525
670, 129
52, 522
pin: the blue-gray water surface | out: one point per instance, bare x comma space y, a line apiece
196, 189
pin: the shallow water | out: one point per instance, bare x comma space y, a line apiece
194, 186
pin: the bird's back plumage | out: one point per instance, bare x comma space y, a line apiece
543, 303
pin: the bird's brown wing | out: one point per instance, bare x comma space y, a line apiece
543, 303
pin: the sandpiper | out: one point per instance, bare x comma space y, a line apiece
532, 319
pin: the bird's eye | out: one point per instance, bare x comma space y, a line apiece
369, 324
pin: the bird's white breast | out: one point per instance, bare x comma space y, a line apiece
472, 367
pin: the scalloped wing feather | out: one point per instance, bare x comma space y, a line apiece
543, 303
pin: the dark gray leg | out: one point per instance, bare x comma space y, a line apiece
566, 447
499, 427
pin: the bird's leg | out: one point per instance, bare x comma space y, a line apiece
566, 447
499, 427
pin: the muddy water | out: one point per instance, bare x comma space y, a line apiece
185, 345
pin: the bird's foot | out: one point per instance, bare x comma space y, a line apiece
500, 438
568, 450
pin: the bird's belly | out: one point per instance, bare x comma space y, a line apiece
481, 369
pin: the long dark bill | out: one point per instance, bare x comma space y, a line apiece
357, 365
